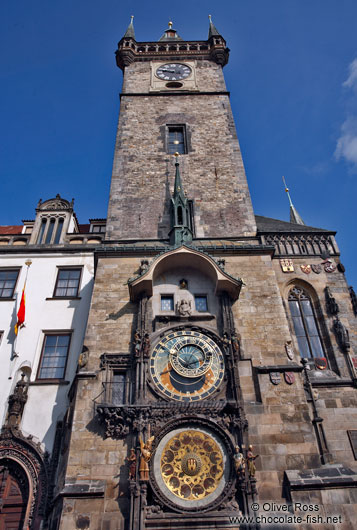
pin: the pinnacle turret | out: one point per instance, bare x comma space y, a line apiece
212, 31
130, 33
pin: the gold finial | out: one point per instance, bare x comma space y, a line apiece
210, 18
286, 188
176, 154
170, 24
132, 18
28, 262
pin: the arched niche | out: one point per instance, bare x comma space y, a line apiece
183, 258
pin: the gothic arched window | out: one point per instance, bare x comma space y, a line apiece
305, 324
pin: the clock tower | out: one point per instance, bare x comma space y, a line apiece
189, 337
174, 99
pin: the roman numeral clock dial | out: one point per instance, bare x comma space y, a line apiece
173, 71
187, 366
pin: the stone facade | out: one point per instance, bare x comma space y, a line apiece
160, 382
212, 170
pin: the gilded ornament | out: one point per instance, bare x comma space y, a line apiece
287, 265
191, 465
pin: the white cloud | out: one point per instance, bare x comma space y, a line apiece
347, 143
351, 81
346, 146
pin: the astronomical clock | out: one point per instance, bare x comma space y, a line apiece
187, 366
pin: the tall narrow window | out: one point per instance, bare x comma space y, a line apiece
42, 231
54, 356
58, 231
118, 388
176, 142
305, 325
50, 231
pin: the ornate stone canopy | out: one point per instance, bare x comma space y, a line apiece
183, 257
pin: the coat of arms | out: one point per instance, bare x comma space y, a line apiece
321, 363
275, 378
306, 268
289, 350
289, 378
287, 265
329, 266
316, 268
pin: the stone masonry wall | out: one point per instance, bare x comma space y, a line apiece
280, 427
91, 456
212, 171
337, 405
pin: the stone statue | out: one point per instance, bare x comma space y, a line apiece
137, 343
145, 456
250, 460
353, 299
146, 346
239, 462
342, 334
17, 402
184, 307
132, 464
226, 343
331, 303
235, 344
144, 266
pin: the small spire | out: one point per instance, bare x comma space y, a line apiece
180, 226
212, 28
130, 33
294, 216
178, 191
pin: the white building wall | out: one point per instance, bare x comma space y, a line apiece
47, 401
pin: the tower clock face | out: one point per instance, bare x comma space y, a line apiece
187, 366
173, 71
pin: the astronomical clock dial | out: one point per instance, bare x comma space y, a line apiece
173, 71
191, 467
187, 366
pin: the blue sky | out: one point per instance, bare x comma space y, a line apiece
293, 80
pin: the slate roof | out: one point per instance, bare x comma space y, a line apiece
267, 224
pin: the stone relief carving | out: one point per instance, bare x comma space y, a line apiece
184, 308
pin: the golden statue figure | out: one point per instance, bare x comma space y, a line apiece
132, 464
145, 456
250, 459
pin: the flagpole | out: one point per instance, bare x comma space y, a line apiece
28, 263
